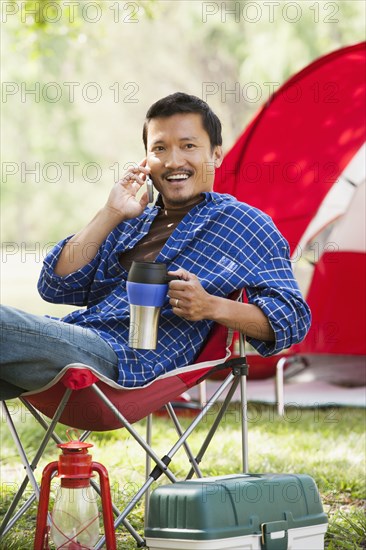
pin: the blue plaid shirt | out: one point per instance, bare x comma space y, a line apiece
227, 244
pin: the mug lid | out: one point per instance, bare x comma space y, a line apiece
148, 273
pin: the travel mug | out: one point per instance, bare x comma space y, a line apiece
147, 287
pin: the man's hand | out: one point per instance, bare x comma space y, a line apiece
188, 298
121, 205
122, 201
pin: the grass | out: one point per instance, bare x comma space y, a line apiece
328, 444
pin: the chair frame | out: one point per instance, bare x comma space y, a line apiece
281, 365
238, 376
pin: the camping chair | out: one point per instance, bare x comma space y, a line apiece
83, 399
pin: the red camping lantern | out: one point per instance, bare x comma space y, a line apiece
75, 516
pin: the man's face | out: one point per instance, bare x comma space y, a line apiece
180, 158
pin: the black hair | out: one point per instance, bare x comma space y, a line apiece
185, 103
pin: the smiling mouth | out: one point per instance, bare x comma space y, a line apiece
178, 177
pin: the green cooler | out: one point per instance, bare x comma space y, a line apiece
237, 512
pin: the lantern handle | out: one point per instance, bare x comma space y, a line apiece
75, 431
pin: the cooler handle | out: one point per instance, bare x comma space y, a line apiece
274, 535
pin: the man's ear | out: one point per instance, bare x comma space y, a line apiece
218, 156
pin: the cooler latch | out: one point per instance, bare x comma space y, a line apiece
274, 535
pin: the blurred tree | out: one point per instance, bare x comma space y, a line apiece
46, 40
232, 54
246, 50
44, 19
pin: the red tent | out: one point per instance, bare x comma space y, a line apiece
288, 162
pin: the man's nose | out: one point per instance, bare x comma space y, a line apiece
174, 158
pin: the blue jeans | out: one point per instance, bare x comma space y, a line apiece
34, 349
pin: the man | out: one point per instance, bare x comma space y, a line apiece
215, 244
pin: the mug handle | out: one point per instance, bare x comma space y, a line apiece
169, 278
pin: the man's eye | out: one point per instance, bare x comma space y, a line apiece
190, 145
158, 148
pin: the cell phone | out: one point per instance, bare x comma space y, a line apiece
150, 189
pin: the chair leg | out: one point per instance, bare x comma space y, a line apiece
244, 423
179, 430
83, 437
29, 467
234, 384
128, 426
244, 406
9, 520
203, 392
122, 517
280, 399
200, 416
20, 448
148, 464
161, 464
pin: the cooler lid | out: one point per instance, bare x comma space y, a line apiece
232, 506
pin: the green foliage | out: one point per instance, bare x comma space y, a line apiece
133, 53
253, 43
41, 25
40, 21
347, 529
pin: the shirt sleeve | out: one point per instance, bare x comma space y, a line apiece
72, 289
276, 292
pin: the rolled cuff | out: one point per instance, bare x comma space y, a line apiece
290, 324
72, 288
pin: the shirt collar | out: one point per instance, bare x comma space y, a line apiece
208, 197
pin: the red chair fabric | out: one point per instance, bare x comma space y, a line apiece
84, 412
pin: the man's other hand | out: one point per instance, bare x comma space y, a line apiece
188, 298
